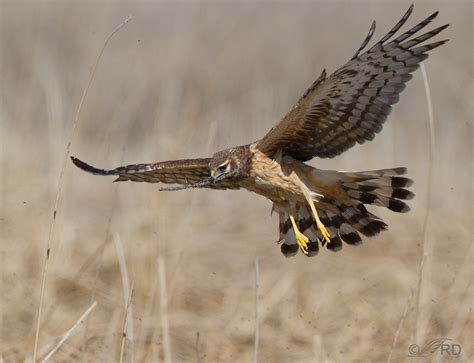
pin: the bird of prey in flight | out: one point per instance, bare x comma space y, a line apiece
316, 207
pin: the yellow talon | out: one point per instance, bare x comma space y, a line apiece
319, 224
301, 239
324, 231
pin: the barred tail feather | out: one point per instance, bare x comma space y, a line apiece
348, 222
344, 221
289, 247
383, 188
305, 223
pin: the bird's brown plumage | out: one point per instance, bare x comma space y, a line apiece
335, 113
351, 104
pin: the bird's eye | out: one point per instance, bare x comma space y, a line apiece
224, 168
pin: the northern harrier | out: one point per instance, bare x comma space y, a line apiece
315, 206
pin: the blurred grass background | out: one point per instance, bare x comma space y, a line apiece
185, 79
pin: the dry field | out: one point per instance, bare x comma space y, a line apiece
184, 79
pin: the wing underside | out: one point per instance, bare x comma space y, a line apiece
351, 105
183, 172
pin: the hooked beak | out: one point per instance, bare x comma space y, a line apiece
215, 177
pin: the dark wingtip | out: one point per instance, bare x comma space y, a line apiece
445, 26
366, 40
88, 168
410, 10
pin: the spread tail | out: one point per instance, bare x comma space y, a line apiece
346, 220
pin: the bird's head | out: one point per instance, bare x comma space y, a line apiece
227, 163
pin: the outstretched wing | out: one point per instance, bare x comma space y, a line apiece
184, 172
351, 104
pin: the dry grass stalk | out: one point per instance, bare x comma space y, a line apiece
426, 246
126, 290
198, 353
164, 311
70, 332
60, 183
425, 222
148, 311
125, 337
257, 337
40, 307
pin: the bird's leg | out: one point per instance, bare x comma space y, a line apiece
301, 239
319, 224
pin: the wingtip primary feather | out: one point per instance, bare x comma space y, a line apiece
88, 168
366, 40
397, 27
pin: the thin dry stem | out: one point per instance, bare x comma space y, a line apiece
125, 337
125, 288
429, 188
60, 183
70, 332
425, 222
148, 311
164, 311
257, 336
198, 353
40, 307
